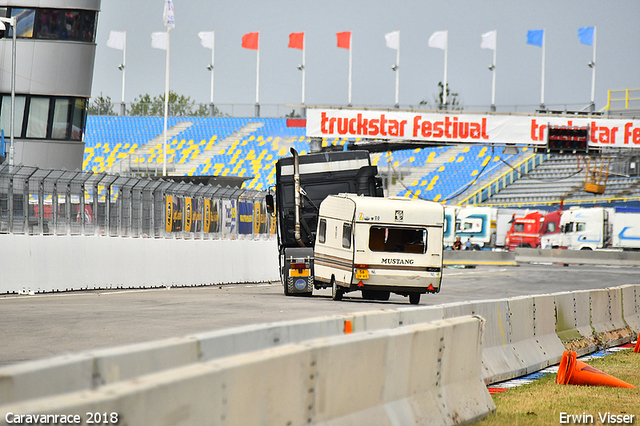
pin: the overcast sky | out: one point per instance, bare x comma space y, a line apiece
568, 78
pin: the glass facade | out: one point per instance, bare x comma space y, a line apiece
53, 24
44, 117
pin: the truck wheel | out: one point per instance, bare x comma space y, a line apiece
336, 293
414, 298
287, 283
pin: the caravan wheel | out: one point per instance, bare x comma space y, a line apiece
336, 293
414, 298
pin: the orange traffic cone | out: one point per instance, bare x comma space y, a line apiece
348, 328
575, 372
637, 348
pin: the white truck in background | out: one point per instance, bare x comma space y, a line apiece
487, 227
600, 227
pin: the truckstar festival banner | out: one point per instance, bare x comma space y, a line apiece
465, 127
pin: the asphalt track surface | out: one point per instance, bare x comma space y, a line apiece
41, 326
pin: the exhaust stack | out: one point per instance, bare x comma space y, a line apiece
296, 194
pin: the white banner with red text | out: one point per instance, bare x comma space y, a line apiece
465, 127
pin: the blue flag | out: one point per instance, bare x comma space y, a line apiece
535, 37
585, 34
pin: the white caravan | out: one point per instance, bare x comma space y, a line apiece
598, 227
450, 215
379, 246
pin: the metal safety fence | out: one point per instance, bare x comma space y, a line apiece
36, 201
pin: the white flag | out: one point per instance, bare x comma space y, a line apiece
206, 39
167, 17
438, 40
393, 40
159, 40
489, 40
116, 40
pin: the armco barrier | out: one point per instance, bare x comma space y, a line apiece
583, 257
45, 263
420, 374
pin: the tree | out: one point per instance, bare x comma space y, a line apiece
179, 105
100, 105
452, 104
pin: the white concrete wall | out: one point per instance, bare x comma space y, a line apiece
46, 263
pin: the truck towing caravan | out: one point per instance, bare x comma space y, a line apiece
302, 183
379, 246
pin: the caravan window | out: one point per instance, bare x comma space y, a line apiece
322, 231
346, 235
398, 240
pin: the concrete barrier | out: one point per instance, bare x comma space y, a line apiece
420, 374
631, 306
580, 257
606, 316
482, 257
521, 335
40, 263
573, 321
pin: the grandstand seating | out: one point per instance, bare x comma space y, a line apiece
249, 147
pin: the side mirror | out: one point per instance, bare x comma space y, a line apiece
270, 205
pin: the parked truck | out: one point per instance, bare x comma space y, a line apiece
598, 228
302, 183
379, 246
530, 230
485, 226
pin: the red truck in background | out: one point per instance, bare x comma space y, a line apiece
527, 231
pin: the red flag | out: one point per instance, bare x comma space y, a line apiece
250, 41
344, 39
296, 41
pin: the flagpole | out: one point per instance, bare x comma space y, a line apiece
350, 64
258, 81
593, 73
124, 70
493, 83
304, 46
544, 38
444, 90
398, 73
166, 109
213, 56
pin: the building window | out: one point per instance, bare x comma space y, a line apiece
5, 122
60, 119
53, 24
43, 117
38, 118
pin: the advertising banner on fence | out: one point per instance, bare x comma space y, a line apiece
169, 214
260, 219
459, 127
207, 216
229, 220
188, 215
246, 218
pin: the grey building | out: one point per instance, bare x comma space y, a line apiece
54, 69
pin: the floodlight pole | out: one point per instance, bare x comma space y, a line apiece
12, 21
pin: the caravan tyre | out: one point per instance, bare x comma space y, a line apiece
414, 298
336, 293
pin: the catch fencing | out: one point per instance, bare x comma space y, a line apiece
36, 201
